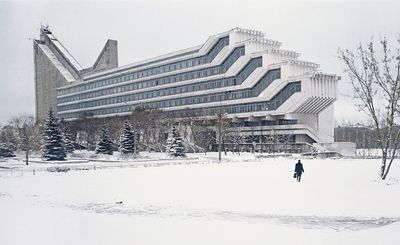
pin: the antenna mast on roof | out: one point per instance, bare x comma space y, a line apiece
45, 28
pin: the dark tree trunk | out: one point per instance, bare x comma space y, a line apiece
27, 157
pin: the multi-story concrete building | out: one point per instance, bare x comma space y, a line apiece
238, 72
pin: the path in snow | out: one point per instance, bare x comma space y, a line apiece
338, 223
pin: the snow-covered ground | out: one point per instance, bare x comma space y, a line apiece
243, 200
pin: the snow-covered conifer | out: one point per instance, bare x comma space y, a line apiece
127, 139
104, 146
67, 137
53, 148
175, 147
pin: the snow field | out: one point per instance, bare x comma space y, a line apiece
241, 201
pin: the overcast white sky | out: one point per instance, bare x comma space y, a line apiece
150, 28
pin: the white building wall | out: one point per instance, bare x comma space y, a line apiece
326, 124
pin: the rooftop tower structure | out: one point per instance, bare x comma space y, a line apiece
56, 67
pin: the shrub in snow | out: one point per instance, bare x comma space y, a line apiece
104, 146
53, 148
127, 139
9, 136
5, 151
175, 147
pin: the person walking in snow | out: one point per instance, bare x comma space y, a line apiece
298, 170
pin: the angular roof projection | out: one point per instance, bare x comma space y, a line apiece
55, 67
107, 59
52, 57
63, 50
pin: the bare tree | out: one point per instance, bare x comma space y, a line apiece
86, 127
364, 137
205, 137
29, 134
149, 126
158, 130
193, 128
202, 135
376, 84
9, 137
272, 140
235, 135
222, 125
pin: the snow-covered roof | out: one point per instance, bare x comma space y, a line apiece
65, 52
64, 71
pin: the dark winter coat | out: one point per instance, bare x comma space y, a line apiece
299, 168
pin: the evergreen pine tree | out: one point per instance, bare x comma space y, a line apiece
175, 147
53, 148
104, 146
68, 141
127, 139
67, 136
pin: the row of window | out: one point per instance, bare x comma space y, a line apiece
225, 82
271, 139
267, 79
216, 70
222, 42
272, 104
268, 122
163, 59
